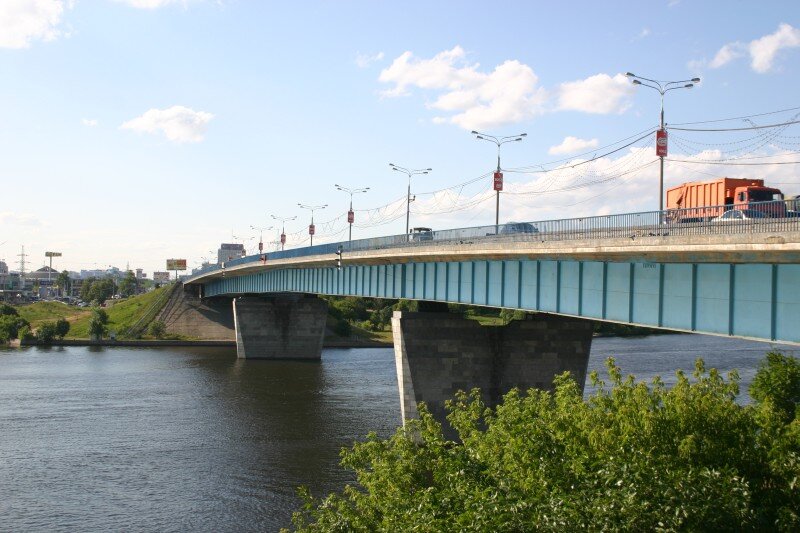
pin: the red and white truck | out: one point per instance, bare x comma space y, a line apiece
702, 200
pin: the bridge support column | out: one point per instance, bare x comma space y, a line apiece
281, 327
436, 354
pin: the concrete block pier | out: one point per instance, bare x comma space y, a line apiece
437, 354
286, 326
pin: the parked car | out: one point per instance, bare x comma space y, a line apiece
518, 227
739, 214
420, 234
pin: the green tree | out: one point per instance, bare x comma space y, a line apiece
127, 287
97, 323
157, 329
62, 327
46, 332
632, 457
64, 283
10, 326
6, 309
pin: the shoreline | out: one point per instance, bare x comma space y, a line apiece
332, 343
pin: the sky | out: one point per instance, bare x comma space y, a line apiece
132, 131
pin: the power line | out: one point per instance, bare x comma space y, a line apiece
736, 129
737, 118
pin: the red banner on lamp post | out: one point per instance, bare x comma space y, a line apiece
498, 181
283, 238
351, 217
661, 143
311, 229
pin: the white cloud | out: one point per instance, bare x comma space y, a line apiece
571, 145
508, 94
728, 53
177, 123
89, 122
23, 21
762, 51
19, 219
645, 32
600, 94
365, 60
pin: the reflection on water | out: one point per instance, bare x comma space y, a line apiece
175, 439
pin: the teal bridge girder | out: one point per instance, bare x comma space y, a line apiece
746, 300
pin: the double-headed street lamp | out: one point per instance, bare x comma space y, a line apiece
283, 227
350, 214
409, 172
311, 228
261, 237
661, 136
498, 175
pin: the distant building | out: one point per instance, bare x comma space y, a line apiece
229, 251
140, 274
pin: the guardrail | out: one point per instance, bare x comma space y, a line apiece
723, 219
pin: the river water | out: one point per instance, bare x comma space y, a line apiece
177, 439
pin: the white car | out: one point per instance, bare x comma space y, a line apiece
739, 214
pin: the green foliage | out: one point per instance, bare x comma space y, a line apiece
121, 316
62, 328
97, 323
507, 315
157, 329
6, 309
343, 328
46, 332
777, 383
97, 290
25, 334
127, 287
632, 457
10, 325
64, 282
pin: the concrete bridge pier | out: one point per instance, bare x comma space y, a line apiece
287, 326
436, 354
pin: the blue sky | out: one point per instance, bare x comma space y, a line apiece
137, 130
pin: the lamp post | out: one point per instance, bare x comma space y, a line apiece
350, 213
261, 237
498, 175
409, 172
311, 228
661, 136
283, 227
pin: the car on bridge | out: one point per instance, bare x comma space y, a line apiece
420, 234
735, 215
518, 227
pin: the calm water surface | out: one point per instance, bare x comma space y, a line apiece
99, 439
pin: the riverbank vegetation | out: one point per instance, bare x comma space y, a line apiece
634, 456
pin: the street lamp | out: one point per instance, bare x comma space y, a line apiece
283, 226
350, 213
498, 175
261, 237
409, 173
661, 136
311, 227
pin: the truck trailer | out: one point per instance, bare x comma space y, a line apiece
698, 201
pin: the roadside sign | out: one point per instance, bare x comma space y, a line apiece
661, 143
498, 181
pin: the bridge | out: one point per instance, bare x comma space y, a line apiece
738, 279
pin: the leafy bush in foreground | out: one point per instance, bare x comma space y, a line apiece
633, 457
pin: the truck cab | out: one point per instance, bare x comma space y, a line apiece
763, 199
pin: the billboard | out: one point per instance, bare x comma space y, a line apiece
661, 143
176, 264
52, 254
160, 276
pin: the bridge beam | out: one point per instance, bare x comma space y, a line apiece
437, 354
287, 326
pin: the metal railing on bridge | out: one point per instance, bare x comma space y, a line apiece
725, 219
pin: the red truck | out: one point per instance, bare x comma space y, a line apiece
703, 200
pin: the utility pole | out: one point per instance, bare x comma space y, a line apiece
22, 268
311, 227
661, 135
498, 175
283, 228
351, 217
409, 172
